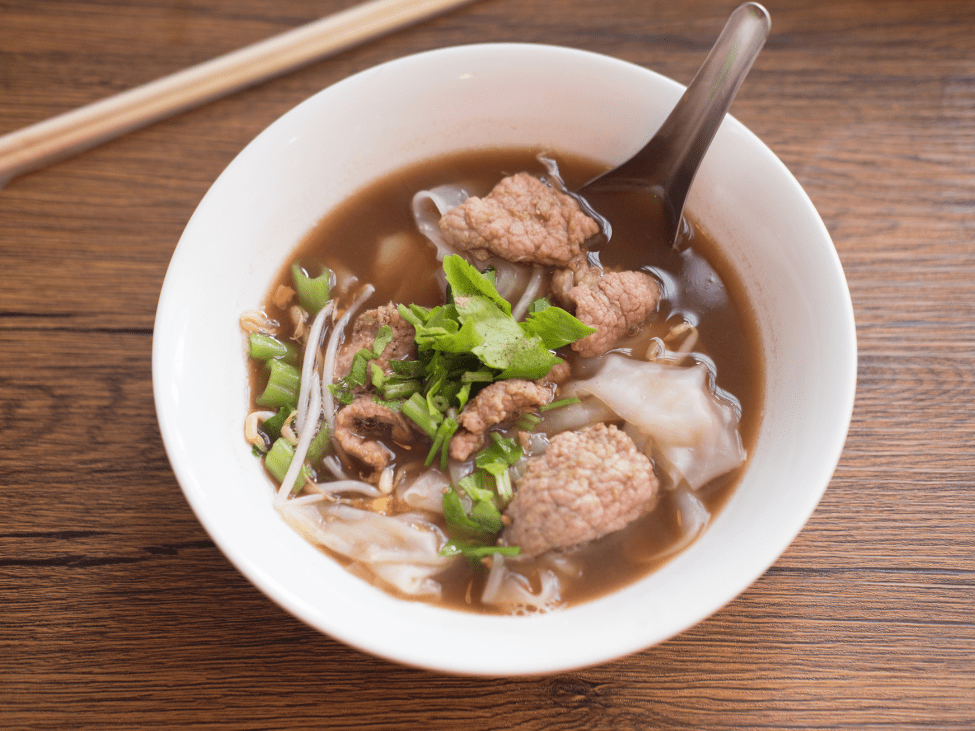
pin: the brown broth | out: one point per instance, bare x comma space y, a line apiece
700, 288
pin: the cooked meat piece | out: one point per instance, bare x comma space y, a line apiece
463, 444
501, 401
586, 485
521, 220
367, 324
557, 375
617, 302
362, 416
564, 280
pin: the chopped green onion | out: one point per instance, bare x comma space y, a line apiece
268, 347
400, 389
384, 336
283, 385
278, 460
475, 552
396, 406
408, 368
342, 392
312, 293
320, 444
415, 408
439, 402
441, 439
272, 426
378, 374
464, 394
559, 404
528, 422
358, 369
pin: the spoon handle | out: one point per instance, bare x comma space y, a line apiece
676, 149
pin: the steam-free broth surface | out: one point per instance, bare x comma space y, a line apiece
372, 237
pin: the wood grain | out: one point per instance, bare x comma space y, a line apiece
116, 609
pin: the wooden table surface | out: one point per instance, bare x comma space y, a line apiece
117, 610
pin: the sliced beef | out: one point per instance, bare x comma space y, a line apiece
586, 485
564, 280
615, 303
367, 324
500, 402
521, 220
355, 423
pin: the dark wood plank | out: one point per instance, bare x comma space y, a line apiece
119, 612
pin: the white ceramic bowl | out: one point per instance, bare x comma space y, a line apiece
480, 96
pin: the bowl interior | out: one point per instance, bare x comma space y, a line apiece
455, 99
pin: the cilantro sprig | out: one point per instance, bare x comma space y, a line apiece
472, 341
472, 507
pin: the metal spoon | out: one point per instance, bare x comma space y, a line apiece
666, 166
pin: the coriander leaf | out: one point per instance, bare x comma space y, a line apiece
465, 281
501, 450
495, 460
465, 519
555, 327
465, 340
384, 336
486, 514
531, 362
473, 485
504, 345
540, 304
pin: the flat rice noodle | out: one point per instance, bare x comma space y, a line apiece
427, 217
575, 416
511, 280
510, 591
425, 492
338, 487
402, 551
694, 432
410, 579
692, 518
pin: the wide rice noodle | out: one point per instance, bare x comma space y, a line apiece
510, 591
443, 199
402, 551
425, 492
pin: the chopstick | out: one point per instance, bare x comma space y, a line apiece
80, 129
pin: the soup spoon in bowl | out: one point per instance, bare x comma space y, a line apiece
665, 167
